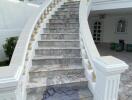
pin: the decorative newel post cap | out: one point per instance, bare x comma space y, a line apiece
110, 64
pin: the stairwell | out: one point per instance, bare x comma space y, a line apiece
57, 72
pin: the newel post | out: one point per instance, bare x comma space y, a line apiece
108, 71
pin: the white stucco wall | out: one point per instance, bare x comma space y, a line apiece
13, 17
109, 27
111, 4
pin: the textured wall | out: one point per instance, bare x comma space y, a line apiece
111, 4
13, 17
109, 27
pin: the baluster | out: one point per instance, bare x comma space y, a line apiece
30, 46
90, 66
45, 13
42, 17
33, 37
27, 56
93, 76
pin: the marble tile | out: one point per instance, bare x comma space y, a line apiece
65, 93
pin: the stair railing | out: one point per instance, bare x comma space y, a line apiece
13, 79
103, 73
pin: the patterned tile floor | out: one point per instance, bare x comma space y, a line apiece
125, 92
65, 93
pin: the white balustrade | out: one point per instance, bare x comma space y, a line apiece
103, 73
108, 77
14, 78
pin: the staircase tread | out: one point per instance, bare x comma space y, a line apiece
68, 10
54, 57
67, 48
78, 94
65, 14
61, 27
59, 33
72, 2
63, 18
58, 67
69, 7
65, 10
63, 23
56, 40
56, 80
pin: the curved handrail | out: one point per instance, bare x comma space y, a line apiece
16, 67
101, 68
85, 7
90, 47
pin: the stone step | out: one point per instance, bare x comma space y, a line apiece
59, 43
51, 70
59, 36
51, 60
61, 79
73, 20
62, 25
64, 52
65, 16
66, 12
68, 9
60, 93
72, 2
68, 15
64, 21
60, 33
70, 5
61, 30
57, 67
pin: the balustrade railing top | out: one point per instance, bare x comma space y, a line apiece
103, 73
9, 76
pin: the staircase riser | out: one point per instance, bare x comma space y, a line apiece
63, 21
65, 53
70, 6
58, 44
72, 2
69, 9
57, 61
57, 72
60, 36
64, 16
61, 30
76, 85
61, 25
66, 13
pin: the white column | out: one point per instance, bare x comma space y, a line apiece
108, 77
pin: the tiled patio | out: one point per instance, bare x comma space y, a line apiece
125, 92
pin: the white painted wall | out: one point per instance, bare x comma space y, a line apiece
13, 17
110, 4
109, 27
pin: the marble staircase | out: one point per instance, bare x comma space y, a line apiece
57, 72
